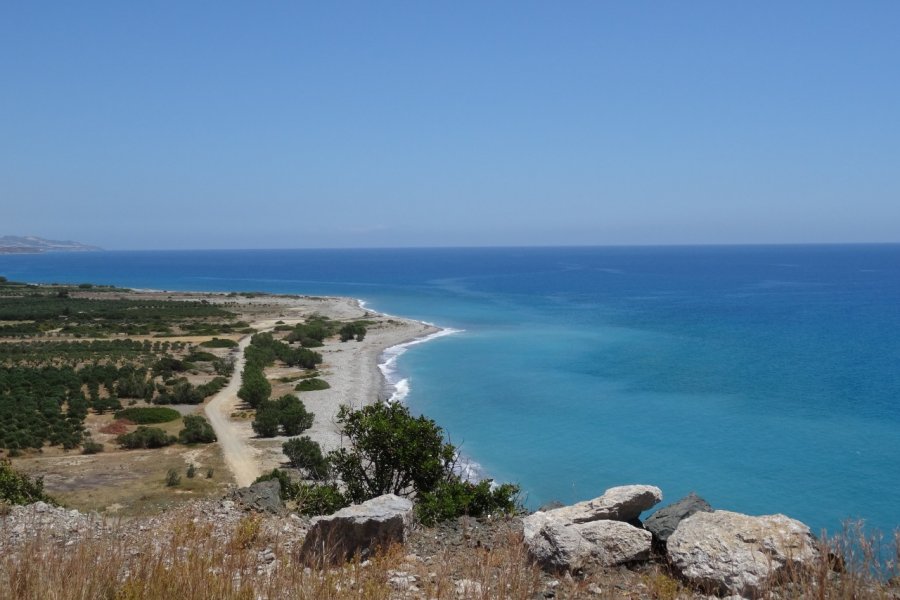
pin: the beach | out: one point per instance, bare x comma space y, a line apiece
354, 370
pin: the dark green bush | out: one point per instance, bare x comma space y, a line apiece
311, 385
146, 437
197, 430
455, 498
219, 343
304, 453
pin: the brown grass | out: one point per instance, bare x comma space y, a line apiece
188, 561
117, 427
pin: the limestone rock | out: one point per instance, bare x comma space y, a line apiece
361, 528
570, 546
264, 496
664, 521
623, 503
732, 553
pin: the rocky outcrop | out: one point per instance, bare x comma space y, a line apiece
571, 546
731, 553
361, 528
663, 522
264, 497
569, 537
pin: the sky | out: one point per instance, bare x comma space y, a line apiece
150, 125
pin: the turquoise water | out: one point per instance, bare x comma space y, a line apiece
765, 378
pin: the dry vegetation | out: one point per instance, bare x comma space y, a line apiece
191, 556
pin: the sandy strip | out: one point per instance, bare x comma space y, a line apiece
351, 368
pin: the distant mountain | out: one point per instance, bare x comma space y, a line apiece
29, 244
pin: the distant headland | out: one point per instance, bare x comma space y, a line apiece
29, 244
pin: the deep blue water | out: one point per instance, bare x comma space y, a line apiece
766, 378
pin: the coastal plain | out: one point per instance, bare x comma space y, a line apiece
132, 482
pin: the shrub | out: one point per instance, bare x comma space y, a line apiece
311, 385
191, 471
91, 447
288, 412
145, 437
197, 430
147, 415
353, 330
219, 343
209, 473
320, 499
172, 478
456, 498
390, 452
19, 488
255, 388
304, 453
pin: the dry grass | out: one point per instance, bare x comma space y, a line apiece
189, 561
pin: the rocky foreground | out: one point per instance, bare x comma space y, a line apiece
249, 546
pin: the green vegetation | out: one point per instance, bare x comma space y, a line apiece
197, 430
18, 488
454, 497
311, 385
173, 479
391, 451
287, 413
356, 330
146, 437
219, 343
148, 415
50, 309
303, 453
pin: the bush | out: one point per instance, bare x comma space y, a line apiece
288, 412
197, 430
311, 385
191, 471
255, 388
19, 488
320, 499
390, 452
172, 478
145, 437
219, 343
266, 422
149, 414
353, 330
303, 453
91, 447
456, 498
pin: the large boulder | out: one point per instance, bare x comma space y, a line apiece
731, 553
361, 528
663, 522
595, 530
623, 503
571, 546
263, 496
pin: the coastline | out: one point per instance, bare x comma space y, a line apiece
359, 374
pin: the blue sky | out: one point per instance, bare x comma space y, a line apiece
343, 124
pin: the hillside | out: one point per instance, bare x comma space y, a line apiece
14, 244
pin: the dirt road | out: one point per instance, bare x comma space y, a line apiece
239, 455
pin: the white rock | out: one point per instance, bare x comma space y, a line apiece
732, 553
571, 546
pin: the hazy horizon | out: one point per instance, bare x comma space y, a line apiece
178, 126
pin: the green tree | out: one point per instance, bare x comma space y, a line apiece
197, 430
304, 453
293, 416
267, 420
390, 452
255, 388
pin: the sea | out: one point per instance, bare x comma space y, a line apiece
765, 378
